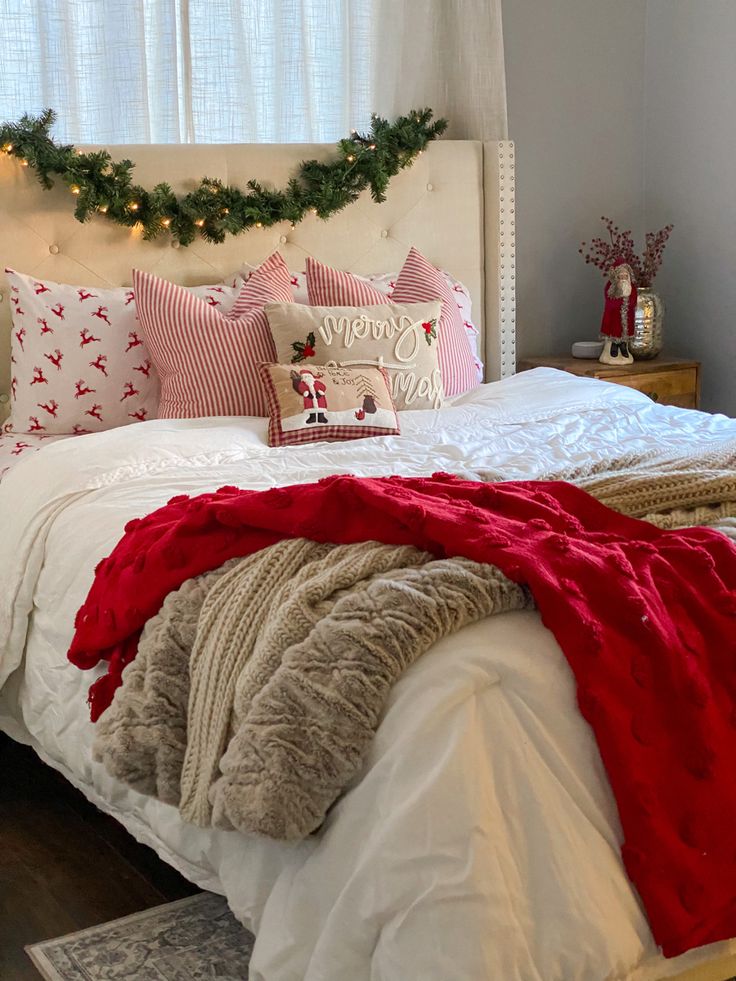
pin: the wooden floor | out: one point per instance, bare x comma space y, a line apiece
63, 865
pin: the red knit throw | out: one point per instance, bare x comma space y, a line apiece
644, 617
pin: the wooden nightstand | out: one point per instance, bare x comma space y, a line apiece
671, 381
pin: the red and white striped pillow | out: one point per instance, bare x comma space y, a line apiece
418, 281
208, 361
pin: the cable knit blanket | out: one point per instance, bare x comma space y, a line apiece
291, 654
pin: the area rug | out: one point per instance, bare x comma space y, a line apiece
193, 939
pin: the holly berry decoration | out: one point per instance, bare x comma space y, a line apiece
430, 330
304, 350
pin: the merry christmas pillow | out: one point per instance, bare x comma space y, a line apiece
418, 281
402, 338
312, 403
78, 357
385, 283
208, 361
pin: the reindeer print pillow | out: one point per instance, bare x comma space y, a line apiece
79, 363
402, 338
311, 403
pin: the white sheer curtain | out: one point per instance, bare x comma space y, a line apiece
207, 71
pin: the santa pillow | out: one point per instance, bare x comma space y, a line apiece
315, 403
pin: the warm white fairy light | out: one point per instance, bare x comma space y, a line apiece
360, 144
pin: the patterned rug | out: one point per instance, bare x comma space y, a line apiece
194, 939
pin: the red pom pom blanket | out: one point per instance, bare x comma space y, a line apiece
645, 618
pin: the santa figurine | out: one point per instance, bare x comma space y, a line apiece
308, 385
617, 328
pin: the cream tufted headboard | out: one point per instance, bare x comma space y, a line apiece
456, 204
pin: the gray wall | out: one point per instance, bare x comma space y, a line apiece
575, 78
627, 109
690, 179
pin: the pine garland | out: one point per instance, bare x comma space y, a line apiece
103, 186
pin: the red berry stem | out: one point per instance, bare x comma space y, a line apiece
620, 246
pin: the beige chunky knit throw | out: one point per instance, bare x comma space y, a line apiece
665, 487
288, 657
674, 493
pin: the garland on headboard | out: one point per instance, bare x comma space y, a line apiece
213, 210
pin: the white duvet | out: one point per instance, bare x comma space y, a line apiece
481, 840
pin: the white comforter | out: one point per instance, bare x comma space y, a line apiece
481, 841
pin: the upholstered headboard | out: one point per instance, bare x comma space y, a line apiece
456, 204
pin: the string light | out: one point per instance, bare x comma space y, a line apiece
75, 189
372, 146
24, 163
7, 148
226, 211
199, 222
103, 209
259, 224
350, 158
166, 222
134, 206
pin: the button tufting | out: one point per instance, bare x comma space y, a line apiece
282, 239
175, 244
384, 233
4, 397
54, 249
430, 187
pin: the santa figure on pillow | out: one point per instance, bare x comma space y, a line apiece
308, 385
619, 313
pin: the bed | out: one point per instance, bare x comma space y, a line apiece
450, 855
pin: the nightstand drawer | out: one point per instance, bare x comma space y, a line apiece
677, 387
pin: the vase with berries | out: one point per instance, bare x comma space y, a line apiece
609, 253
